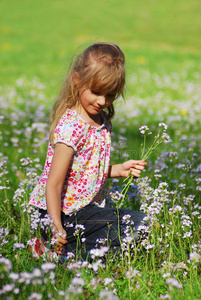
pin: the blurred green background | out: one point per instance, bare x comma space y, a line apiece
38, 38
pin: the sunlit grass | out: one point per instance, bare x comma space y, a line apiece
40, 38
169, 193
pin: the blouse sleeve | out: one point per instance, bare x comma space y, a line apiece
69, 131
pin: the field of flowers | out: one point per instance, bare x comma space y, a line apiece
167, 262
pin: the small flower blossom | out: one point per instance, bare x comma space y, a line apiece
166, 296
46, 267
79, 230
150, 246
96, 265
107, 281
99, 252
143, 129
126, 219
7, 288
102, 241
35, 296
130, 274
166, 275
14, 276
7, 265
78, 281
95, 282
36, 272
25, 277
188, 234
18, 246
165, 137
163, 125
194, 257
16, 291
107, 295
172, 282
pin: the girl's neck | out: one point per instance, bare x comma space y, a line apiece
94, 120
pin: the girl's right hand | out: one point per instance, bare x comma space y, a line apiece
60, 236
61, 161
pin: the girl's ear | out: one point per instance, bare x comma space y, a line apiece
76, 77
76, 80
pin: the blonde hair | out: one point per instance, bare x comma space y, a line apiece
100, 68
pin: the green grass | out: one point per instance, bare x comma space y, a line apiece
176, 164
38, 38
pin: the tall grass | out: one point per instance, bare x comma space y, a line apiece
166, 264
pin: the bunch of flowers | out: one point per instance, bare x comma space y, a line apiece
161, 137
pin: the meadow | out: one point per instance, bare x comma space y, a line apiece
163, 86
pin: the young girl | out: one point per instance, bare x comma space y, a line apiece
71, 188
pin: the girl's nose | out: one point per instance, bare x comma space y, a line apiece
101, 100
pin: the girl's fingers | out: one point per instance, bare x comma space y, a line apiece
58, 250
137, 163
59, 244
136, 172
138, 167
142, 163
61, 241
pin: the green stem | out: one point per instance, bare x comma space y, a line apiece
143, 149
126, 188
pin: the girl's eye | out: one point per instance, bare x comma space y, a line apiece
111, 95
95, 93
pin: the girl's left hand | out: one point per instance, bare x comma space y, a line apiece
132, 166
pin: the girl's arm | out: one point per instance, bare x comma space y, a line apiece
123, 170
61, 161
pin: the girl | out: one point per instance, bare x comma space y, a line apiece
71, 188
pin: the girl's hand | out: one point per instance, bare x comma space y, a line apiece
132, 166
60, 236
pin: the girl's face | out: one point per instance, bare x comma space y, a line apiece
93, 102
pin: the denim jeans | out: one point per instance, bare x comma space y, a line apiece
100, 224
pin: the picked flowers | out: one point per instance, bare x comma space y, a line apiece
161, 137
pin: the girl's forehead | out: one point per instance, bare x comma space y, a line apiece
107, 83
104, 87
104, 77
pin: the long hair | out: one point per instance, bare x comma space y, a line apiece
101, 68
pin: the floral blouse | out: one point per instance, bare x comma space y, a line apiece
85, 180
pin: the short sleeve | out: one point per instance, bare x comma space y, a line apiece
70, 131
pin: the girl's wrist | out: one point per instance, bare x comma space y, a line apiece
56, 227
115, 171
120, 170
